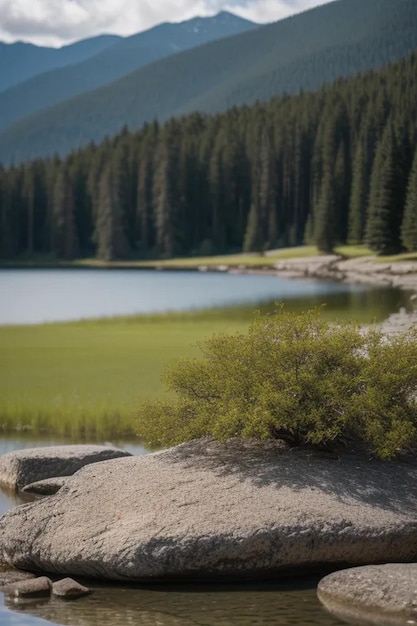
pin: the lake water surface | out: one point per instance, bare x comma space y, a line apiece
36, 296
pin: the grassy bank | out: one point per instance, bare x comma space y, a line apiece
250, 260
89, 377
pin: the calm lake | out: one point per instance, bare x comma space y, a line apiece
35, 296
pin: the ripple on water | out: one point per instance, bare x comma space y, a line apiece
271, 604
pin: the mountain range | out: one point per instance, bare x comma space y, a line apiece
302, 52
25, 60
104, 60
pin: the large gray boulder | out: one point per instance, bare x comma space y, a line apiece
384, 595
205, 510
22, 467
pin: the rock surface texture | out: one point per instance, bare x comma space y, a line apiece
205, 510
69, 589
360, 270
46, 487
384, 595
22, 467
33, 588
10, 575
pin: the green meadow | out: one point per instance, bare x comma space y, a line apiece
88, 378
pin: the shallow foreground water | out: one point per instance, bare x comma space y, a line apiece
273, 604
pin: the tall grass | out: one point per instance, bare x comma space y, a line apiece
89, 377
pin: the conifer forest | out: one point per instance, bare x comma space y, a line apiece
338, 165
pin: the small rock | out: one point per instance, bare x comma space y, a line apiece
69, 589
22, 467
47, 487
374, 594
9, 575
34, 588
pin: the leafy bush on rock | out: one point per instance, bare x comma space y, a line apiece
295, 377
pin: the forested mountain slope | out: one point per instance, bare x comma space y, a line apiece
20, 61
301, 52
338, 165
126, 55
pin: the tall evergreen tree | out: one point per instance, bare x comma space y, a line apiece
262, 226
409, 223
7, 228
64, 235
29, 195
165, 193
358, 197
386, 197
110, 227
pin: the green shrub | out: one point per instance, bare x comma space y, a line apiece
294, 377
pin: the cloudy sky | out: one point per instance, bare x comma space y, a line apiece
57, 22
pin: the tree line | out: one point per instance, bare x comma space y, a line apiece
328, 167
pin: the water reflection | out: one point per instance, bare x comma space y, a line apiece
285, 604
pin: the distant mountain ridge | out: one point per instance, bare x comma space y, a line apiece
302, 52
123, 56
21, 61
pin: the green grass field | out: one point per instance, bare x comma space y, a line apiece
89, 377
254, 259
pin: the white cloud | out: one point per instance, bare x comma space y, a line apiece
57, 22
273, 10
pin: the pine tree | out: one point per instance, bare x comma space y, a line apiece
8, 238
217, 192
262, 224
165, 193
144, 225
29, 194
324, 224
358, 198
64, 236
110, 227
386, 196
409, 223
325, 209
251, 241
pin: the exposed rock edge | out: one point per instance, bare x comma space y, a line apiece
22, 467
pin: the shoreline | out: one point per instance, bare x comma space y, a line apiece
364, 270
360, 270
